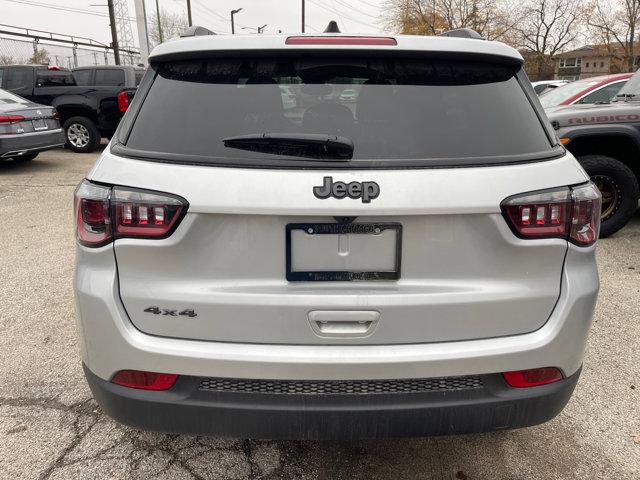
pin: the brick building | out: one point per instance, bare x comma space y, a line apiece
591, 61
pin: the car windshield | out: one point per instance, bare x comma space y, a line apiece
632, 87
389, 108
9, 98
554, 97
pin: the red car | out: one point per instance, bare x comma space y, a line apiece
589, 90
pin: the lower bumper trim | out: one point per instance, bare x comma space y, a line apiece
187, 409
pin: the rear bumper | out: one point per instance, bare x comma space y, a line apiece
187, 409
13, 145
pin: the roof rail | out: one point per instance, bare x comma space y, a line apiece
332, 27
462, 33
195, 31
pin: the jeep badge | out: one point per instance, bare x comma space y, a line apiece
365, 190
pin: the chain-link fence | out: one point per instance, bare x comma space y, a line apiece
14, 50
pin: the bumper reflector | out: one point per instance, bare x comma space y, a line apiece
533, 377
144, 380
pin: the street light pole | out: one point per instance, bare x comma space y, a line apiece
302, 16
233, 12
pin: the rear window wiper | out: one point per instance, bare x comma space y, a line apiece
311, 145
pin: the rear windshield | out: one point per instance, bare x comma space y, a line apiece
391, 109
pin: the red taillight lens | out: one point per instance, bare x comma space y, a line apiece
144, 380
335, 40
11, 118
93, 219
145, 214
104, 213
569, 213
585, 214
55, 114
123, 101
533, 377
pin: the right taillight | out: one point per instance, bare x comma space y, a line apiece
571, 213
104, 213
123, 101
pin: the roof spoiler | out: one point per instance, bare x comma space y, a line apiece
196, 31
462, 33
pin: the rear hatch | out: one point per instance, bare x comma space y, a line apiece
285, 242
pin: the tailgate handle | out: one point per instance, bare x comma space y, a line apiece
344, 323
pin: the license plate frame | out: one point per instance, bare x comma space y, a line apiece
39, 124
337, 229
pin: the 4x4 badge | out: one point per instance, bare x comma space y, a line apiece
367, 191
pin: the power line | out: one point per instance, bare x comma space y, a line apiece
61, 8
361, 12
337, 12
372, 5
327, 7
218, 15
214, 23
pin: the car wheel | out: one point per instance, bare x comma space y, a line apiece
27, 157
619, 188
82, 134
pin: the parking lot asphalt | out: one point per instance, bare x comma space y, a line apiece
50, 427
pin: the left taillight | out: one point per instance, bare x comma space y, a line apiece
106, 213
123, 101
11, 118
93, 218
570, 213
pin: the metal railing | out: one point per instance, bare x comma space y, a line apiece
23, 45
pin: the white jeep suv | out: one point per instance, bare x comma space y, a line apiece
417, 261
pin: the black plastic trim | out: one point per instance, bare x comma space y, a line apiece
306, 164
343, 276
186, 409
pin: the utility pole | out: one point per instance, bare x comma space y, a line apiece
189, 13
233, 12
159, 24
302, 16
114, 32
143, 31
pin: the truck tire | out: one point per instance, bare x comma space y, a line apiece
619, 188
81, 134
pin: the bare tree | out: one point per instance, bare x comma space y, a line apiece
549, 26
40, 57
171, 25
490, 18
7, 60
615, 23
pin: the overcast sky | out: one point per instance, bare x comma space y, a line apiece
79, 17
